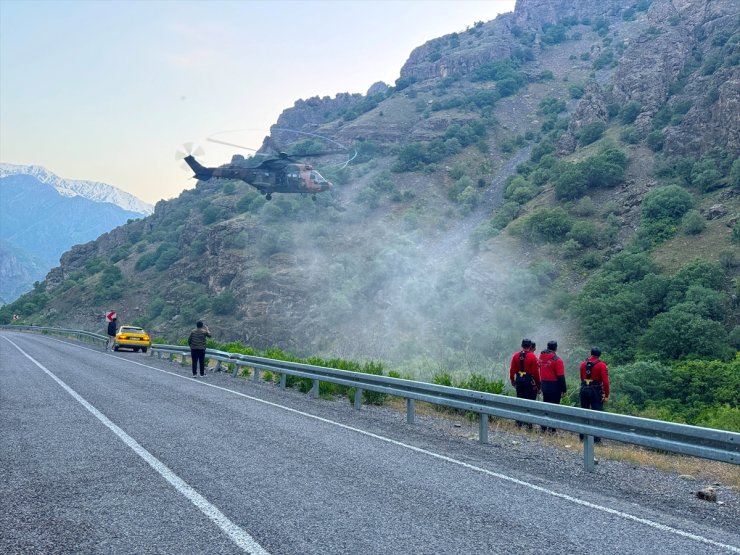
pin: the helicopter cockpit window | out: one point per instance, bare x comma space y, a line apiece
316, 176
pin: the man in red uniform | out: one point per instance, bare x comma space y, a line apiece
594, 383
524, 374
552, 374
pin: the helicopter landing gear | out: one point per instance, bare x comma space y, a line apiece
268, 196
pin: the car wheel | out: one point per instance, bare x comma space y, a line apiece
143, 349
115, 347
136, 349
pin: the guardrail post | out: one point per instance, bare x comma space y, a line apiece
283, 380
235, 373
483, 428
315, 389
255, 374
409, 411
358, 398
588, 453
182, 360
218, 366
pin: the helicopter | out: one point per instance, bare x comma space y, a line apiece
275, 175
278, 173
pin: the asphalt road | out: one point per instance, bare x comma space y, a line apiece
123, 453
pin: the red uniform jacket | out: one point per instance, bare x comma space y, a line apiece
531, 366
551, 366
599, 373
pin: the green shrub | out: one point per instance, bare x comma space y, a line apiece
629, 112
584, 232
591, 132
478, 382
571, 183
145, 261
547, 224
693, 223
655, 140
629, 135
550, 106
213, 214
571, 249
584, 207
505, 214
666, 203
166, 257
224, 304
575, 91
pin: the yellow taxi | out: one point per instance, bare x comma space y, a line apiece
132, 337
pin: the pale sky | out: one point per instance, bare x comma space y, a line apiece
109, 90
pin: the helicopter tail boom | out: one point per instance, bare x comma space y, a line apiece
201, 172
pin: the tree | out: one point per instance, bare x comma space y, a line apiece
679, 333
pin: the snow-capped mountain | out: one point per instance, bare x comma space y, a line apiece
92, 190
43, 215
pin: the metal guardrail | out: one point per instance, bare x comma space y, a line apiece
84, 336
695, 441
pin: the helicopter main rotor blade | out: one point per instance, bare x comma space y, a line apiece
229, 144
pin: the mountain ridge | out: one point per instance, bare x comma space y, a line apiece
44, 215
92, 190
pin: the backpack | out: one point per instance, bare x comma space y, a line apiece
589, 367
522, 378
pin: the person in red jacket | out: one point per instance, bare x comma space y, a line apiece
594, 383
552, 376
524, 374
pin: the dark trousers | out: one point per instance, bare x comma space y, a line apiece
525, 390
199, 357
550, 394
592, 397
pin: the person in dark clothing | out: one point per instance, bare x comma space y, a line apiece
524, 374
594, 383
197, 343
111, 333
552, 377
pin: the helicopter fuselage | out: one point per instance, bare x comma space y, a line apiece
273, 177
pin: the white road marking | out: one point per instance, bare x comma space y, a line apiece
565, 497
237, 534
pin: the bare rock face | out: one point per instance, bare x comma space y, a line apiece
377, 88
591, 108
651, 63
533, 13
314, 111
459, 54
651, 69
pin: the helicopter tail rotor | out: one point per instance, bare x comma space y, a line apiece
188, 149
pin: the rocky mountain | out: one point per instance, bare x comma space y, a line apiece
91, 190
546, 173
44, 215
